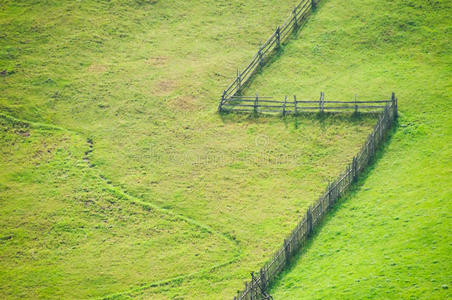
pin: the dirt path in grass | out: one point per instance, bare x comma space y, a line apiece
117, 190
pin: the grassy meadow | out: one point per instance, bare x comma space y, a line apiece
391, 237
117, 176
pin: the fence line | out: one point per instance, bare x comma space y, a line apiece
294, 21
260, 281
259, 104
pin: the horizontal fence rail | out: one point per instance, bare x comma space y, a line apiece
260, 281
259, 104
293, 22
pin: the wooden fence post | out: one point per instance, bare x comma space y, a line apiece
256, 104
355, 169
295, 104
309, 221
263, 280
356, 105
371, 146
252, 286
284, 106
350, 175
321, 102
295, 21
375, 142
278, 37
220, 107
394, 104
330, 198
286, 251
259, 54
239, 81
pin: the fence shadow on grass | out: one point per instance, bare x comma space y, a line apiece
338, 206
322, 118
254, 106
271, 46
260, 281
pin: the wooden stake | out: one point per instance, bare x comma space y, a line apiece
284, 106
356, 105
220, 107
259, 53
239, 83
256, 103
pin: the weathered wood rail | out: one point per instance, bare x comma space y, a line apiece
269, 105
274, 42
257, 288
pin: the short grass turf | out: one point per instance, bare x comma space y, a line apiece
63, 226
391, 238
117, 176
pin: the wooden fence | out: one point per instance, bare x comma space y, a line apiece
293, 22
260, 281
250, 104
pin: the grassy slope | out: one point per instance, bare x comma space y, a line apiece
392, 237
61, 228
141, 79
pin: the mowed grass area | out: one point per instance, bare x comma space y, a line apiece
391, 238
118, 178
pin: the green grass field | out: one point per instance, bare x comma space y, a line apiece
391, 237
117, 176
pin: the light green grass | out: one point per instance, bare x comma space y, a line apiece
391, 238
63, 226
174, 200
